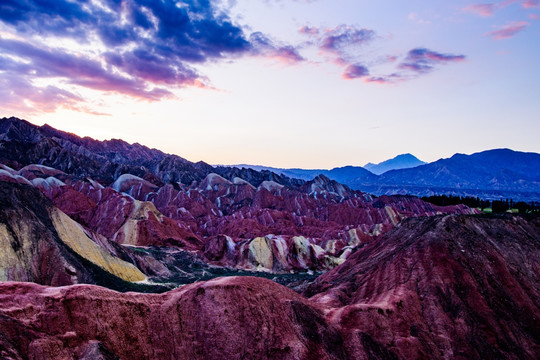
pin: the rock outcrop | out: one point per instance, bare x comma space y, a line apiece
40, 243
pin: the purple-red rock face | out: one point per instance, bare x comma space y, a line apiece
453, 287
313, 227
138, 196
226, 318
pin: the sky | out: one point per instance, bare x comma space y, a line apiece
283, 83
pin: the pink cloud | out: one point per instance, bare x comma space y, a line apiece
531, 4
488, 9
23, 97
287, 55
484, 10
266, 47
534, 17
308, 30
508, 30
355, 71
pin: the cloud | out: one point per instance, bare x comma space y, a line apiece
509, 30
342, 38
355, 71
341, 46
262, 45
489, 9
344, 45
340, 42
21, 96
484, 10
422, 60
138, 48
417, 62
309, 30
531, 4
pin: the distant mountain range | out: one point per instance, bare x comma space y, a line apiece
346, 173
403, 161
491, 174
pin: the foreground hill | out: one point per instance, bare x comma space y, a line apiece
447, 287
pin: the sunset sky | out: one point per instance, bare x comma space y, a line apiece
285, 83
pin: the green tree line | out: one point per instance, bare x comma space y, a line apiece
496, 206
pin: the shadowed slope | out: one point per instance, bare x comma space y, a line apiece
442, 287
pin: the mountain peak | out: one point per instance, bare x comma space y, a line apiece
402, 161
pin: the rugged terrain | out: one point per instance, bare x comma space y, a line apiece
162, 206
452, 287
402, 278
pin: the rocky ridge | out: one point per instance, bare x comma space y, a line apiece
270, 227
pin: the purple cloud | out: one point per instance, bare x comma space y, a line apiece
417, 62
338, 39
264, 46
385, 79
150, 46
342, 45
422, 60
355, 71
509, 30
531, 4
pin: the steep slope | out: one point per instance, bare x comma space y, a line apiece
442, 288
403, 161
40, 243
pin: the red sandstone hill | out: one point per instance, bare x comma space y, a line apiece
452, 287
446, 287
228, 318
